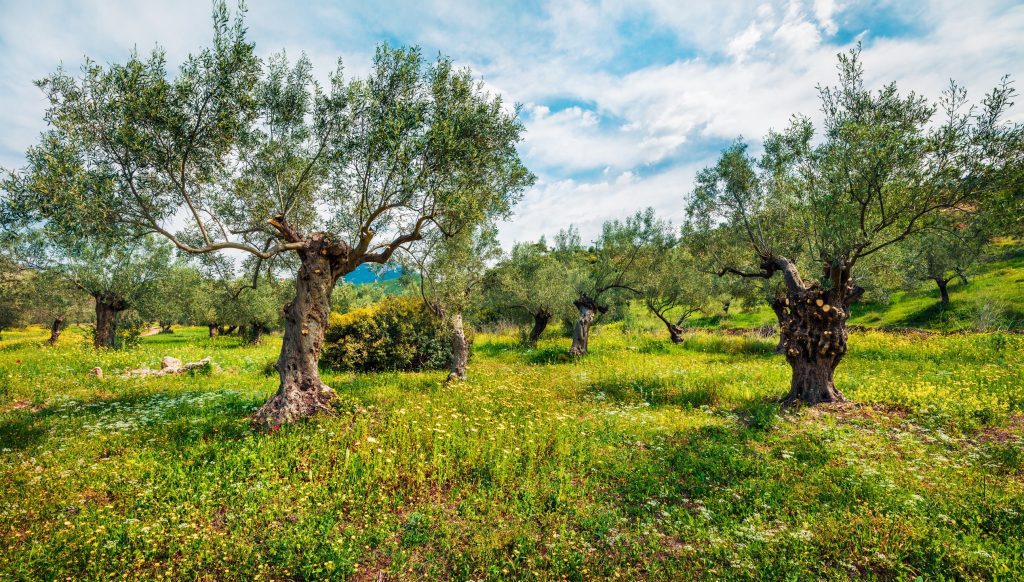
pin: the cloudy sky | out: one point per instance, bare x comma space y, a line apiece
623, 100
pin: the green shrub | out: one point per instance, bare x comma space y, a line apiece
396, 333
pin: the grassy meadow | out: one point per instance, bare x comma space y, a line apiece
643, 460
992, 299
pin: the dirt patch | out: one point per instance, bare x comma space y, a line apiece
1013, 431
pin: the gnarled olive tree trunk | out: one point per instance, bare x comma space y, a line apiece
943, 290
108, 305
588, 308
301, 393
540, 323
812, 322
55, 329
675, 331
212, 329
460, 349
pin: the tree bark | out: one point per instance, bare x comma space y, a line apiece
540, 323
301, 393
943, 291
166, 327
55, 329
725, 307
814, 339
108, 305
213, 329
460, 349
675, 331
588, 309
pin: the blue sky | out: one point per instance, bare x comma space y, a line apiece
623, 101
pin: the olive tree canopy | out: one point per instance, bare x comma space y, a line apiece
884, 163
263, 159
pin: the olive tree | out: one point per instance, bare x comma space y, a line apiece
620, 259
675, 289
262, 159
451, 270
532, 281
950, 249
884, 164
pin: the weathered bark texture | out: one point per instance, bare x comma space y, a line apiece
460, 349
213, 330
943, 291
108, 305
588, 309
301, 393
55, 329
540, 323
725, 307
813, 328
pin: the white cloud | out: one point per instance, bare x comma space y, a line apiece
742, 67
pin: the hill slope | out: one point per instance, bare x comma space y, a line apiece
993, 299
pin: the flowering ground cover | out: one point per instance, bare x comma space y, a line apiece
643, 460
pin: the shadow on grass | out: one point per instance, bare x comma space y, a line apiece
659, 391
22, 429
493, 349
731, 345
547, 355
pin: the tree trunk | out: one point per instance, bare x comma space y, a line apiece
108, 305
253, 333
301, 393
460, 350
540, 323
166, 327
725, 307
814, 339
55, 329
943, 292
780, 313
581, 332
675, 331
213, 328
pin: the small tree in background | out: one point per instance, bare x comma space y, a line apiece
884, 166
54, 301
951, 248
532, 281
620, 260
179, 297
265, 161
675, 289
117, 275
451, 270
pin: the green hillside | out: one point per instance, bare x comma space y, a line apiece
992, 300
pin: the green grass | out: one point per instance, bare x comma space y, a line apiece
643, 460
992, 300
